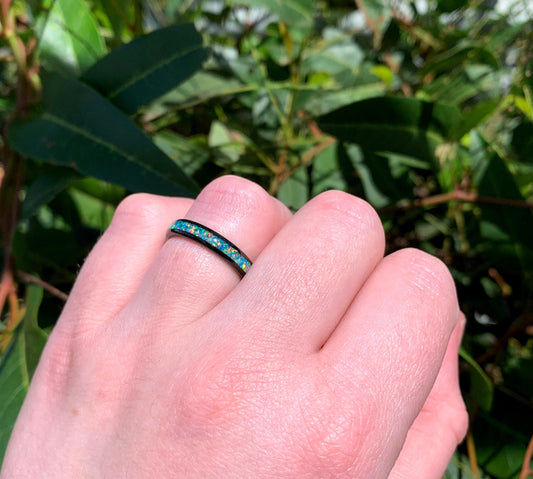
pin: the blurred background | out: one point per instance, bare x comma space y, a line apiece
423, 108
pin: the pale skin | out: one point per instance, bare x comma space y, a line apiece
326, 360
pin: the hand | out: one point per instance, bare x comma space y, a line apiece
326, 360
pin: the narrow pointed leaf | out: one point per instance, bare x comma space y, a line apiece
146, 68
14, 382
92, 136
34, 337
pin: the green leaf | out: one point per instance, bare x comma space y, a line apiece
90, 135
14, 383
456, 89
289, 11
447, 6
18, 363
407, 126
522, 141
110, 194
455, 57
149, 66
460, 468
334, 59
324, 101
507, 229
69, 41
201, 87
120, 15
184, 152
294, 191
481, 388
45, 188
475, 116
227, 145
501, 438
374, 172
94, 212
34, 337
326, 173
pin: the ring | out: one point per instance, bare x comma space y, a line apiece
214, 241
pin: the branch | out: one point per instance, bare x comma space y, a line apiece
457, 195
29, 278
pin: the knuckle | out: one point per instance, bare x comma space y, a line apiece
426, 272
348, 214
137, 211
234, 193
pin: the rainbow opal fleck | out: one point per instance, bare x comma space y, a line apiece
214, 241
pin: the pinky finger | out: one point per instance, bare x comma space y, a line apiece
441, 424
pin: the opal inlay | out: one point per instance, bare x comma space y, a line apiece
214, 241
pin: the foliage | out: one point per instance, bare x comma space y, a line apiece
423, 108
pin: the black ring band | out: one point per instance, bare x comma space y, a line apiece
214, 241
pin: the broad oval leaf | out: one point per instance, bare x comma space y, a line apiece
148, 67
92, 136
407, 126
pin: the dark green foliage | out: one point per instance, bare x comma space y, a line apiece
427, 113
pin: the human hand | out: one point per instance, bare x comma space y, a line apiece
326, 360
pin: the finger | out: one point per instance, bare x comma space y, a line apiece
115, 267
391, 342
441, 424
303, 282
188, 279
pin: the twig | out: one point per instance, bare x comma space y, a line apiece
472, 456
29, 278
458, 195
526, 470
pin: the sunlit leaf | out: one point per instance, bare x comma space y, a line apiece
70, 40
18, 363
14, 382
287, 10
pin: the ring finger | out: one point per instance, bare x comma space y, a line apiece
186, 278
